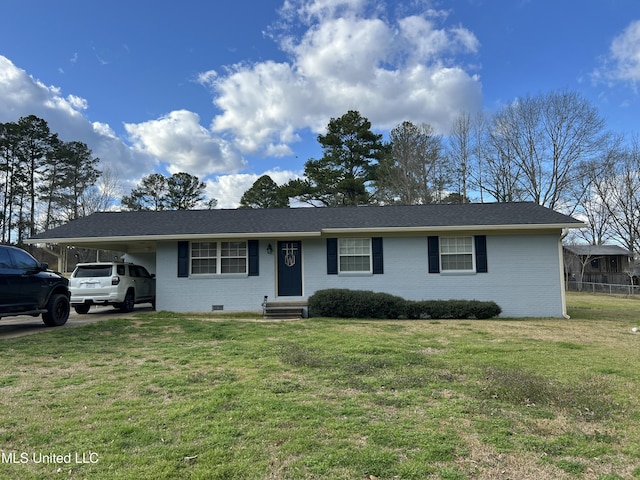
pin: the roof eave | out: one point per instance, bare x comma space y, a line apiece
453, 228
165, 238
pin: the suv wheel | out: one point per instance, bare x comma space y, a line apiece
82, 309
57, 310
129, 301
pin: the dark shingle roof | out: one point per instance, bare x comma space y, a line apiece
308, 220
594, 250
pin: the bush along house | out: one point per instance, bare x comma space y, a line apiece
204, 260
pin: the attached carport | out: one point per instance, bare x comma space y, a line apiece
142, 249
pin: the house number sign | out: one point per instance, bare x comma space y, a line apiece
290, 250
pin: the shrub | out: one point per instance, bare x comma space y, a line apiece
442, 309
483, 310
336, 302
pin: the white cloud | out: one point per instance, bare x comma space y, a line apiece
78, 103
625, 49
208, 77
341, 55
311, 11
623, 62
22, 95
349, 57
179, 140
228, 189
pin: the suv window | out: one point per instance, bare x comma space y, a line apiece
93, 271
24, 261
5, 260
139, 271
120, 269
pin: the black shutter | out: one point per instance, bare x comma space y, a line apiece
183, 259
332, 256
254, 257
376, 247
481, 253
433, 244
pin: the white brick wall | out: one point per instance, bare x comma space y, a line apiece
523, 277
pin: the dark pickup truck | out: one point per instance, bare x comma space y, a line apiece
28, 287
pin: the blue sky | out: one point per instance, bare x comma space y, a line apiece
229, 91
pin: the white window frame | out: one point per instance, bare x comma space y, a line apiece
455, 252
243, 244
218, 258
343, 253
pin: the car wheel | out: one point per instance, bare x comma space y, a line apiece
57, 310
129, 301
82, 309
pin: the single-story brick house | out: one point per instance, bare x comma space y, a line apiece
510, 253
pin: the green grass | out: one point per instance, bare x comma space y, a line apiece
204, 397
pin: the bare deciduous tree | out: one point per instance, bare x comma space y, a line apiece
104, 194
543, 139
411, 173
500, 171
618, 188
461, 151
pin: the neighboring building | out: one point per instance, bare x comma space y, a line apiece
510, 253
598, 264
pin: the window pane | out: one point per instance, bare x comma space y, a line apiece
203, 258
23, 260
207, 265
234, 249
354, 264
354, 254
233, 257
233, 265
218, 257
354, 246
5, 261
203, 249
94, 271
456, 253
455, 245
457, 262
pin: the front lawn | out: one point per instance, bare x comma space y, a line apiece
172, 396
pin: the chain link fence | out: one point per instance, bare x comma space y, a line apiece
610, 288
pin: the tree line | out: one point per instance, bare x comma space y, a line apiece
553, 149
44, 181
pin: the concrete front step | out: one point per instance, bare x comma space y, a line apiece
279, 310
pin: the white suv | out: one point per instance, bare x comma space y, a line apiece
111, 283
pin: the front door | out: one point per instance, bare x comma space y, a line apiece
290, 269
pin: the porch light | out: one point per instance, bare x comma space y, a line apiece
269, 249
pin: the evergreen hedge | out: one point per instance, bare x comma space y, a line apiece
345, 303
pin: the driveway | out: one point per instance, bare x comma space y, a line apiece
25, 325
